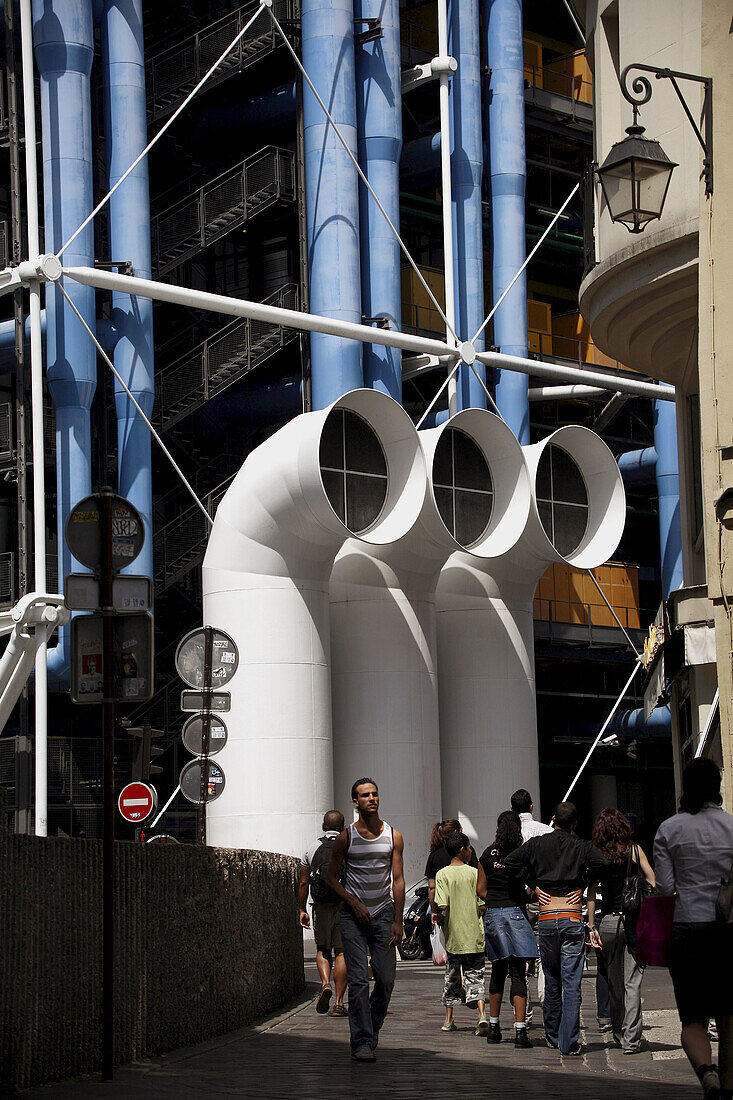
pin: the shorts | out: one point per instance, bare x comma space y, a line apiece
326, 927
472, 986
701, 968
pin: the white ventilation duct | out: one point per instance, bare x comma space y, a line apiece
354, 468
383, 646
488, 720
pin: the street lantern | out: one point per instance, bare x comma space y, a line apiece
635, 179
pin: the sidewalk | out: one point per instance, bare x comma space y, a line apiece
300, 1054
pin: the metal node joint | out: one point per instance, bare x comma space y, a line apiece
444, 66
640, 93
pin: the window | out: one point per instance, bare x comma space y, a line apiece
353, 470
562, 499
464, 491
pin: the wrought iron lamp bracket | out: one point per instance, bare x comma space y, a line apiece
640, 93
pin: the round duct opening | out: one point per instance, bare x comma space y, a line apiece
353, 470
562, 499
464, 490
579, 497
479, 480
371, 466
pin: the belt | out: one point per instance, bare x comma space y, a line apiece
561, 914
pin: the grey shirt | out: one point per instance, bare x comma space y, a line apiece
692, 853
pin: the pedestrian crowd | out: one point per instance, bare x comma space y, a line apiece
519, 905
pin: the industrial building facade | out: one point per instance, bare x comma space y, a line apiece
249, 195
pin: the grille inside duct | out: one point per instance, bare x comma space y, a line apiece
353, 470
562, 499
464, 491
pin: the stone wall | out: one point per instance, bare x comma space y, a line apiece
207, 940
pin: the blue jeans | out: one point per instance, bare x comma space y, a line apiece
366, 1014
562, 943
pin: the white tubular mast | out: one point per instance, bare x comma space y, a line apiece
39, 488
310, 322
446, 66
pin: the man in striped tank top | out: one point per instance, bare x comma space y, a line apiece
373, 899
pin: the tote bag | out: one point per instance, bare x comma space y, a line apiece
654, 931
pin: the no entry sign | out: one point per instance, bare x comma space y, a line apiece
137, 802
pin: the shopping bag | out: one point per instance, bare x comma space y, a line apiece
437, 942
654, 931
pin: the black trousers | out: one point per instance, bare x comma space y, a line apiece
513, 966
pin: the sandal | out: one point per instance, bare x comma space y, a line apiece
324, 998
339, 1010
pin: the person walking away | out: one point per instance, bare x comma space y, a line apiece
615, 936
459, 911
510, 941
326, 908
559, 865
373, 900
438, 856
692, 856
521, 802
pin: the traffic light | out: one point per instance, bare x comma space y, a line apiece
145, 752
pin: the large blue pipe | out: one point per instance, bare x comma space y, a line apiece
123, 69
379, 115
106, 334
332, 194
505, 124
668, 492
64, 46
638, 467
467, 165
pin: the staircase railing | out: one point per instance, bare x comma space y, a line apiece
221, 360
171, 74
181, 543
222, 205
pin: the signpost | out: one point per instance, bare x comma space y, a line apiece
111, 658
137, 802
206, 658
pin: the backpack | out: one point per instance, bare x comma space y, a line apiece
318, 867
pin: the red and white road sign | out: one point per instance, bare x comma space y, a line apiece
137, 802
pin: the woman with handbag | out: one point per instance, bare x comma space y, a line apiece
628, 878
692, 856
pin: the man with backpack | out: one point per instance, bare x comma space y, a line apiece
326, 909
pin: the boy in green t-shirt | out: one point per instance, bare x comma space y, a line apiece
458, 904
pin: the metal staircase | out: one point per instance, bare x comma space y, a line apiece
180, 544
172, 74
224, 204
220, 361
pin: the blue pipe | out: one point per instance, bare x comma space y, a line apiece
64, 46
505, 125
633, 724
668, 492
379, 115
638, 467
332, 194
467, 166
422, 155
107, 335
123, 70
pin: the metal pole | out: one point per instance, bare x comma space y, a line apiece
39, 487
618, 382
108, 844
447, 198
637, 665
205, 731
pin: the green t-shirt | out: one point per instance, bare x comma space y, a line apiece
455, 887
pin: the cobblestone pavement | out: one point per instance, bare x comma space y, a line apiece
303, 1055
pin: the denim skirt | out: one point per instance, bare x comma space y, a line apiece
508, 932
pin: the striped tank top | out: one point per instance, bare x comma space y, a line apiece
369, 868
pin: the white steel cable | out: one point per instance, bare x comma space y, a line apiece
363, 178
608, 605
181, 107
444, 385
604, 727
532, 253
152, 430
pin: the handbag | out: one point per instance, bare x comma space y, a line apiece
654, 931
724, 900
634, 886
